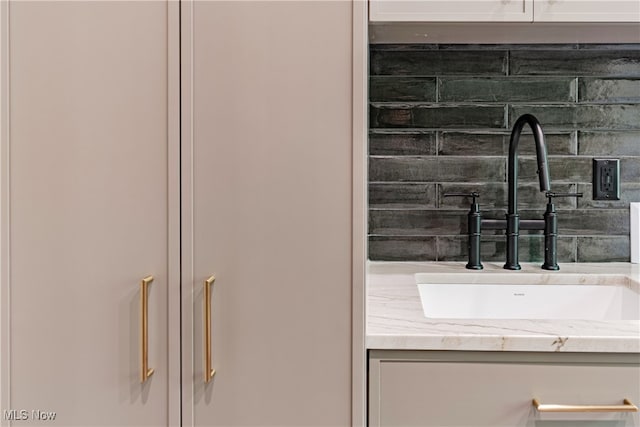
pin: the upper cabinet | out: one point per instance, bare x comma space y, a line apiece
451, 11
586, 11
504, 11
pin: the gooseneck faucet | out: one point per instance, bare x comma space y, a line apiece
512, 223
513, 218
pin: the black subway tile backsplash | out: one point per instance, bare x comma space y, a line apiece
496, 143
625, 143
571, 62
603, 249
609, 90
430, 62
506, 89
580, 116
402, 248
436, 116
418, 89
415, 222
567, 169
402, 143
402, 196
403, 169
630, 170
629, 192
440, 122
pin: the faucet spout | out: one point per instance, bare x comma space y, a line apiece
541, 155
513, 219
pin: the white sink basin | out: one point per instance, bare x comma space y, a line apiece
486, 299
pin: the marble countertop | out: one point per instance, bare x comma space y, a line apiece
395, 319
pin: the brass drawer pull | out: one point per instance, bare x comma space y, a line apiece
627, 406
145, 371
209, 372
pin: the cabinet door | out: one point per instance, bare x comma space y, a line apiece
586, 11
497, 389
451, 10
268, 211
87, 200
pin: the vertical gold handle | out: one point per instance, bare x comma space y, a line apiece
145, 371
208, 371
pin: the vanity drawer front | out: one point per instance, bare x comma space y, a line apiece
486, 391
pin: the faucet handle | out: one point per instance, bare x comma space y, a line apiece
473, 194
474, 222
551, 195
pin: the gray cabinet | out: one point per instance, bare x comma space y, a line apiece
100, 189
86, 205
423, 388
267, 211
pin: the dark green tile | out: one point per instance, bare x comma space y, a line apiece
584, 62
610, 46
434, 116
454, 248
480, 143
612, 222
609, 90
561, 170
390, 116
563, 116
394, 89
471, 169
560, 144
622, 117
402, 196
496, 143
402, 46
630, 169
402, 143
437, 62
416, 222
440, 169
603, 249
629, 192
609, 143
402, 248
459, 116
417, 169
506, 89
498, 46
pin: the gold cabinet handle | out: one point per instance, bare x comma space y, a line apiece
209, 372
145, 371
627, 406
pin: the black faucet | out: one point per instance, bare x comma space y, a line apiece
513, 219
512, 222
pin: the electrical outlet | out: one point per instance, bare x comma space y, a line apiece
606, 179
